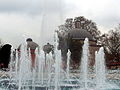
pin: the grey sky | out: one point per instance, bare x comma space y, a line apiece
25, 17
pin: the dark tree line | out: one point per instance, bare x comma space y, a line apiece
111, 43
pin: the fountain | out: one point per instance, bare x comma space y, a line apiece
49, 75
84, 63
100, 69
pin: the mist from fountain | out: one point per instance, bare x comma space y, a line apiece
99, 82
101, 72
100, 69
84, 63
24, 72
57, 64
51, 17
40, 61
68, 65
50, 75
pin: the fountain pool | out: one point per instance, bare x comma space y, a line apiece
49, 75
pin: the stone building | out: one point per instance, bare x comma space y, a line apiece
76, 41
73, 40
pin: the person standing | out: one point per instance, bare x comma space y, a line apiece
47, 49
5, 52
32, 47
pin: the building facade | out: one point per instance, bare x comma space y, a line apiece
72, 39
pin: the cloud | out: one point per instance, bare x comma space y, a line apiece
104, 12
30, 6
15, 5
18, 17
14, 26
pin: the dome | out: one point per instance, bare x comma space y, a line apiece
80, 34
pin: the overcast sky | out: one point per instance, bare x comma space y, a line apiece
39, 18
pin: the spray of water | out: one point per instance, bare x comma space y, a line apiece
84, 63
100, 69
57, 64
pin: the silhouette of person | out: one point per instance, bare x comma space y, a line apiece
47, 49
5, 52
32, 47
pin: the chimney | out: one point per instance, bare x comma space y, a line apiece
77, 22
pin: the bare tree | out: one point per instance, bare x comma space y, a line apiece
111, 42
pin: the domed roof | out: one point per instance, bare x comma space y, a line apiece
80, 34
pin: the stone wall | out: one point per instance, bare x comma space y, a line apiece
92, 50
